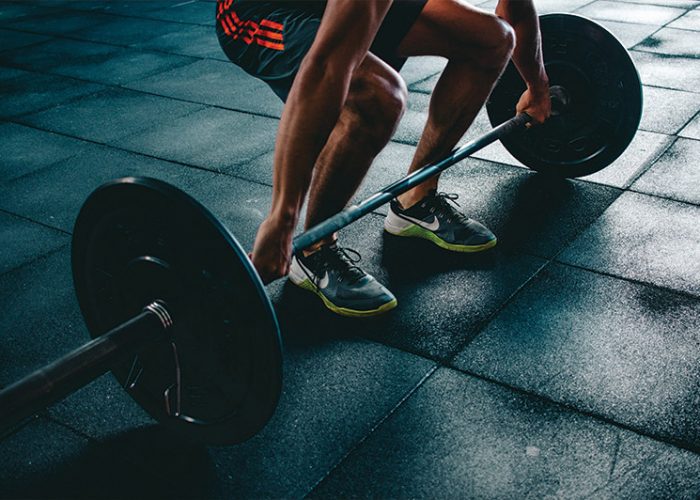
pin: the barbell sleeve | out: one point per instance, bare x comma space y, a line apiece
76, 369
355, 212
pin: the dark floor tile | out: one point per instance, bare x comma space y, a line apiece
186, 12
54, 195
629, 34
644, 149
10, 11
461, 437
48, 56
675, 175
109, 115
213, 139
669, 475
643, 238
411, 126
692, 130
602, 345
681, 4
126, 30
10, 39
442, 303
672, 41
131, 8
543, 6
25, 150
417, 69
689, 21
40, 319
91, 61
666, 111
240, 205
58, 23
187, 40
29, 92
335, 392
630, 12
217, 83
101, 409
24, 241
47, 460
660, 70
122, 67
34, 453
7, 74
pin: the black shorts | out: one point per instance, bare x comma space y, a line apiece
270, 39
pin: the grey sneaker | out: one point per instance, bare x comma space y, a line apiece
332, 274
435, 218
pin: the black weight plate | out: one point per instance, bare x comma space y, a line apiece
137, 240
605, 93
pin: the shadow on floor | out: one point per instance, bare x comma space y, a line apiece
147, 462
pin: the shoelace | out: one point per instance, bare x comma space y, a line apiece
340, 259
443, 207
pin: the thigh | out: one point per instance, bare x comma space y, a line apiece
397, 23
449, 27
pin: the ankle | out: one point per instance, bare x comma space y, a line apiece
408, 200
318, 245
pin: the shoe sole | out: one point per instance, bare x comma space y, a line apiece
415, 231
306, 284
344, 311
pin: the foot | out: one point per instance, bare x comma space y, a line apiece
435, 218
332, 274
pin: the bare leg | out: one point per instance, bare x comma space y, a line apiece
374, 106
478, 46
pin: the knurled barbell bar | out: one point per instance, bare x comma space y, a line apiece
176, 309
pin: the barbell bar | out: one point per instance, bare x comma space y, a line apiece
179, 314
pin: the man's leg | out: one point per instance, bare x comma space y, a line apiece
375, 104
477, 45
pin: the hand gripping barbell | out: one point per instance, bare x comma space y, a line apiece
176, 309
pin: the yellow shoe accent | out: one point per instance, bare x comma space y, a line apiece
344, 311
415, 231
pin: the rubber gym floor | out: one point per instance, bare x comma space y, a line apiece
566, 363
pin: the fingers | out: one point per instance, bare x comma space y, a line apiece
269, 272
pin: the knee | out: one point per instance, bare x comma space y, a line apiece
378, 102
501, 44
383, 99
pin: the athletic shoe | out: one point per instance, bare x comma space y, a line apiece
332, 274
435, 218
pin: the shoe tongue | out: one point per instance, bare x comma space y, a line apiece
350, 269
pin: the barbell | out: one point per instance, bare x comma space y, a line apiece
176, 309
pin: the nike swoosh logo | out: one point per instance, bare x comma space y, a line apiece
430, 226
320, 284
323, 282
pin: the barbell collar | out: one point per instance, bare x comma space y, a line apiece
76, 369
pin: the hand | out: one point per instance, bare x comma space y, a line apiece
535, 103
272, 251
